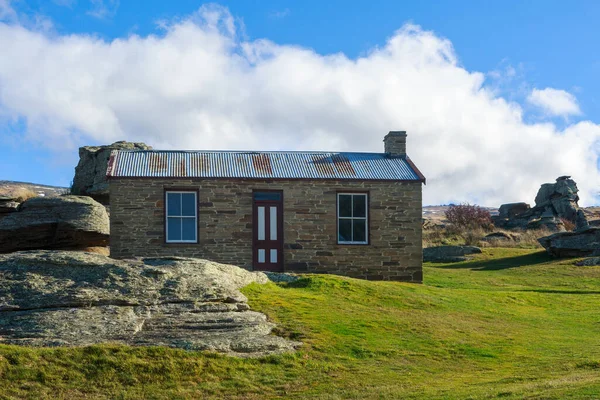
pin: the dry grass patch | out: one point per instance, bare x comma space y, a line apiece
20, 194
105, 251
460, 236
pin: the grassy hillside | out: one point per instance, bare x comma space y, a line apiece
510, 324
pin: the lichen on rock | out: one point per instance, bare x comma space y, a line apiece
62, 298
581, 243
90, 172
65, 222
449, 253
554, 203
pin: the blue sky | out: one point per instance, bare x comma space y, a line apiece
539, 59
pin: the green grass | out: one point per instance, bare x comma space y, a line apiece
510, 324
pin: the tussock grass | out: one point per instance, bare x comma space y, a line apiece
105, 251
511, 324
20, 194
458, 236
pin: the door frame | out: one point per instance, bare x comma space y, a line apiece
280, 238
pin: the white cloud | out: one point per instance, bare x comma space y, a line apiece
554, 102
35, 21
199, 85
102, 9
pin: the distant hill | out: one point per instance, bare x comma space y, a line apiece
436, 214
8, 187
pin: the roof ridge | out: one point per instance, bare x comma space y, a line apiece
247, 151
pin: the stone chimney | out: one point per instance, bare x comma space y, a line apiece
395, 143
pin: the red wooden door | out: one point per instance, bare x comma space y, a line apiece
267, 249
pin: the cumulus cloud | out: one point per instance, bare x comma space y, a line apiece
554, 102
199, 84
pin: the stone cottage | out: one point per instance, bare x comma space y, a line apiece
353, 214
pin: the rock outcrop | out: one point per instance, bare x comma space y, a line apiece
581, 222
553, 203
512, 210
7, 205
62, 298
501, 237
90, 172
65, 222
449, 253
588, 262
581, 243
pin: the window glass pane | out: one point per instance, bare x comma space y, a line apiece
359, 205
173, 204
273, 255
267, 196
261, 255
345, 205
173, 229
345, 230
188, 228
273, 220
188, 206
261, 223
360, 230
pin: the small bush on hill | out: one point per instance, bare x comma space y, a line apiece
473, 237
469, 216
22, 194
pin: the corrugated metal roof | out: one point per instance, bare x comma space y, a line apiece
272, 164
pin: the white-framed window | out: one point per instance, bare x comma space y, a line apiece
181, 217
352, 218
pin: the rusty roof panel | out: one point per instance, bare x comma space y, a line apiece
276, 165
323, 166
262, 163
343, 164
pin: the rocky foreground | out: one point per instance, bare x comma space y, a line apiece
62, 298
90, 172
65, 222
581, 243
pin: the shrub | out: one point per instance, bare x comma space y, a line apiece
468, 216
529, 238
472, 237
22, 194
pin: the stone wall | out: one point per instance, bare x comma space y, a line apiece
395, 143
310, 242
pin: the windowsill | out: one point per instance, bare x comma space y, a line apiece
353, 243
